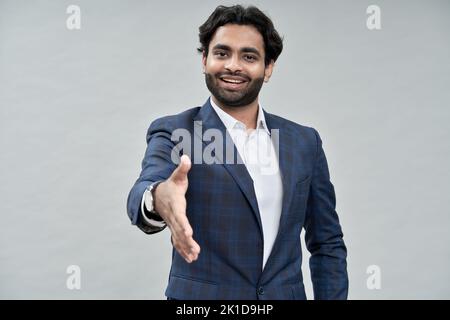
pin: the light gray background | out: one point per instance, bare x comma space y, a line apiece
75, 107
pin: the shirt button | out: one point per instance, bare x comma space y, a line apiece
260, 291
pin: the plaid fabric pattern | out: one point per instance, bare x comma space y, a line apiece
224, 214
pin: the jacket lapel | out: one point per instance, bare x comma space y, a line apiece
208, 119
284, 146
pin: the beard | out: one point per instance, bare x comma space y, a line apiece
233, 98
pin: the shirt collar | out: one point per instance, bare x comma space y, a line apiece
232, 123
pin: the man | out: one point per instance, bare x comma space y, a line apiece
235, 225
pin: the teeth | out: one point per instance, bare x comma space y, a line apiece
232, 80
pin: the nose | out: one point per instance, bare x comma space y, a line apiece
233, 64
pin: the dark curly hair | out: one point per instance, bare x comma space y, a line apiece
273, 43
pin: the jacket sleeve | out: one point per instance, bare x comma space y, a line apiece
156, 165
323, 234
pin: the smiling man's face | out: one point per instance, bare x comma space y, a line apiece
234, 68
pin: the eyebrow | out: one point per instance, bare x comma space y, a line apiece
244, 49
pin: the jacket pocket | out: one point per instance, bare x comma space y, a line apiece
187, 288
193, 279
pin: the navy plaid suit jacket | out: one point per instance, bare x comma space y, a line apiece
223, 212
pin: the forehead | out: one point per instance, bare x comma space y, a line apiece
238, 36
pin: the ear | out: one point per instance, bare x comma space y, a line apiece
204, 61
268, 71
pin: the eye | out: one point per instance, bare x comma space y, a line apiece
250, 58
220, 54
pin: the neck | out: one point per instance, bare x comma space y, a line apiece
246, 114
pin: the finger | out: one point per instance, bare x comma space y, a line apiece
187, 254
195, 248
183, 235
180, 250
180, 173
192, 249
178, 219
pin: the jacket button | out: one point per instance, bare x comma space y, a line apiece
260, 291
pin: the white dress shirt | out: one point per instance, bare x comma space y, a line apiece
257, 151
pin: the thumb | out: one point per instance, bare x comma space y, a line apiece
180, 173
